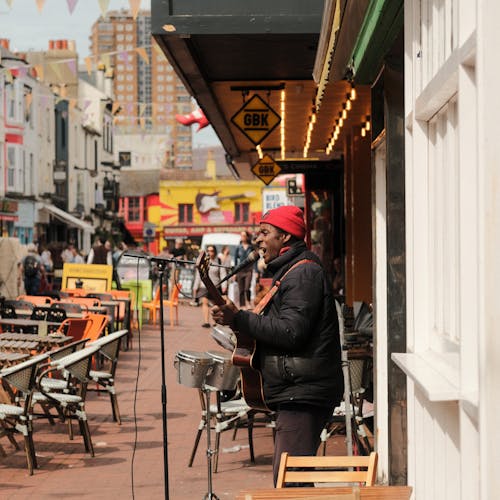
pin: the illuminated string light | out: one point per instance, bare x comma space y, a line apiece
282, 124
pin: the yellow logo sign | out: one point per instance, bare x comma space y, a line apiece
266, 169
256, 119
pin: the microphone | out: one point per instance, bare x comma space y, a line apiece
252, 257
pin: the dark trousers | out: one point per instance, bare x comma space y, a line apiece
244, 280
298, 430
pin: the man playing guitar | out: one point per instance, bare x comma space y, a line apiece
296, 334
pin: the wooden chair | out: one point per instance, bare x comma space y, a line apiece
332, 469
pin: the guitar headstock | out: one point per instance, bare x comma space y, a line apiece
202, 264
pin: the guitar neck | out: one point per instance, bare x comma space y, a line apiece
203, 264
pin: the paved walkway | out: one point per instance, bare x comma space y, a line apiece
66, 471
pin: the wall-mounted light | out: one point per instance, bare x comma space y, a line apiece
353, 92
366, 126
282, 124
259, 152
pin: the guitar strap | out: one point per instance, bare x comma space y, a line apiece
270, 294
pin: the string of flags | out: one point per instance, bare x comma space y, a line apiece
135, 6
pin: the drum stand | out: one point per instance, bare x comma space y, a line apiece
210, 495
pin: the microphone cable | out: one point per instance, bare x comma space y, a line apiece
134, 447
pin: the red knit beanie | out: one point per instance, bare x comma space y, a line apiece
289, 218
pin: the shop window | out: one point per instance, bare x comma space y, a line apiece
242, 212
185, 213
134, 209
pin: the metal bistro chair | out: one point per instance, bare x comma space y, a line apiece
15, 417
109, 348
70, 406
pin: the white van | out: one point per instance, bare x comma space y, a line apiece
232, 240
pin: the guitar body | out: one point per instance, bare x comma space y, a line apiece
245, 351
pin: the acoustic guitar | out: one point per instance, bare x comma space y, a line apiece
206, 202
244, 354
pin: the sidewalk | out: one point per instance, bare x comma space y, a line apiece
67, 471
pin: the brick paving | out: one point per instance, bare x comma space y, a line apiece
66, 471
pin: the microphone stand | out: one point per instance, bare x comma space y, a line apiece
162, 265
161, 270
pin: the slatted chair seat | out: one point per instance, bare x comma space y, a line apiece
7, 410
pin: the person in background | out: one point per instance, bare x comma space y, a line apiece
216, 274
244, 277
296, 331
67, 254
32, 270
99, 254
225, 256
77, 256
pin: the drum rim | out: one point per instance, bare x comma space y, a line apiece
194, 356
220, 356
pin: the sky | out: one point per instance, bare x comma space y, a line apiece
29, 29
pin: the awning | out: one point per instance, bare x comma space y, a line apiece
69, 219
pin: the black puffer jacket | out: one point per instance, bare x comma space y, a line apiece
298, 334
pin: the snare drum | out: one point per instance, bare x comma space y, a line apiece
193, 368
224, 374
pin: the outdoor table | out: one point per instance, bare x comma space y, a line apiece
366, 492
30, 341
11, 358
25, 323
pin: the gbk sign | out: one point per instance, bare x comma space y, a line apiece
256, 119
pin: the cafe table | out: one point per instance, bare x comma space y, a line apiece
31, 341
21, 324
365, 493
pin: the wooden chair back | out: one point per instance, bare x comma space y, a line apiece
332, 469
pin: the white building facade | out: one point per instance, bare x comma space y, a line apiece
453, 239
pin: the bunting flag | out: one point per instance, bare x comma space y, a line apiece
40, 4
71, 5
55, 68
158, 49
142, 122
88, 64
28, 98
39, 71
22, 71
135, 5
103, 5
142, 109
123, 56
72, 66
106, 60
143, 53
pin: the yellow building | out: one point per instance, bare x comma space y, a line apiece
196, 202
